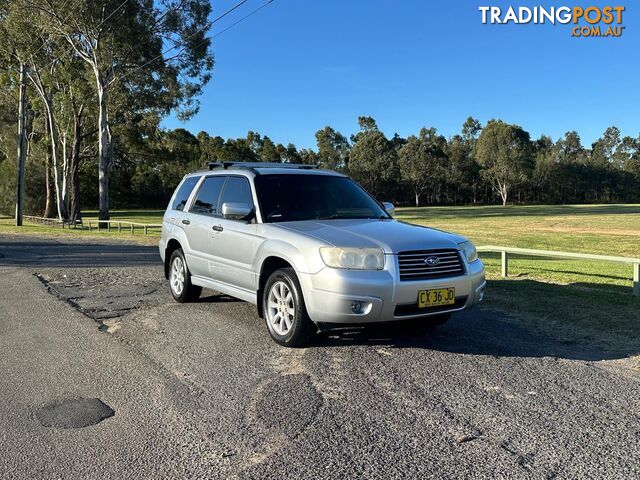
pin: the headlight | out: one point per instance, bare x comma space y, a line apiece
469, 250
353, 258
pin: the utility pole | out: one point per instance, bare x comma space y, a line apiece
22, 144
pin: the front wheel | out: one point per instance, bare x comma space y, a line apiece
182, 289
284, 309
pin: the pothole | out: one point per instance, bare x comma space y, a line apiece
287, 404
74, 413
104, 295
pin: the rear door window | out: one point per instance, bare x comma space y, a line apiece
183, 193
207, 198
237, 189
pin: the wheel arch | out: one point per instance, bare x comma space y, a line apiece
172, 246
282, 254
269, 265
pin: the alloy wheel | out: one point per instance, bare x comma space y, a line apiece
177, 276
280, 308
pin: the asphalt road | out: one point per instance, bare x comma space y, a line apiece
200, 391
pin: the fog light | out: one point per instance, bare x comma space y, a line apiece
356, 307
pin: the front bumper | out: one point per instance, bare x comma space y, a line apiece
330, 294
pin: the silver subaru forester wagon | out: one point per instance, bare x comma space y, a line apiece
310, 248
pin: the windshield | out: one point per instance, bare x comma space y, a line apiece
291, 197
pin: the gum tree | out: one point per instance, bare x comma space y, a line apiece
144, 57
504, 153
422, 161
333, 148
373, 160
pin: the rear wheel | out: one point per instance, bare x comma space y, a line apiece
284, 309
180, 284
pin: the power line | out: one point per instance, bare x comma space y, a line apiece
235, 23
96, 27
69, 16
197, 32
229, 11
242, 19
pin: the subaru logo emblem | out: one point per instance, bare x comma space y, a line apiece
432, 261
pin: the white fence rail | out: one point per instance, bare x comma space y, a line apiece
505, 252
52, 221
118, 225
94, 224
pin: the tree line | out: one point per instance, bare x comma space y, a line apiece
98, 75
497, 162
102, 74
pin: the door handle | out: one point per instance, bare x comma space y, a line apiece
217, 228
186, 222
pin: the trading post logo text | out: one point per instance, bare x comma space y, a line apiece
586, 21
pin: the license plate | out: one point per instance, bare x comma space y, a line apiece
436, 297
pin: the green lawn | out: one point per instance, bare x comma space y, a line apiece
7, 225
599, 229
577, 298
139, 216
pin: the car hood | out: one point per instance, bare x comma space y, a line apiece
390, 235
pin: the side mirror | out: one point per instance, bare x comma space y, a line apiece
388, 206
236, 210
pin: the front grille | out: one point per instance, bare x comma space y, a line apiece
414, 309
413, 264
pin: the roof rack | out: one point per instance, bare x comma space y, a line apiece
253, 165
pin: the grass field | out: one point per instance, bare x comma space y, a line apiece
598, 229
580, 299
7, 225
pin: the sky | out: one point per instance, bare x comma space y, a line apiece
298, 65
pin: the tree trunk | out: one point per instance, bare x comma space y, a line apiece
417, 197
503, 190
57, 174
66, 173
53, 140
50, 203
22, 145
49, 206
104, 153
74, 168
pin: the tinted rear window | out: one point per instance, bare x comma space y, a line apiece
206, 202
182, 195
237, 189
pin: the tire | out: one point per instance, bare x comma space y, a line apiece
284, 310
182, 290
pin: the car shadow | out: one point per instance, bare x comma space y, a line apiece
568, 327
215, 297
483, 332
